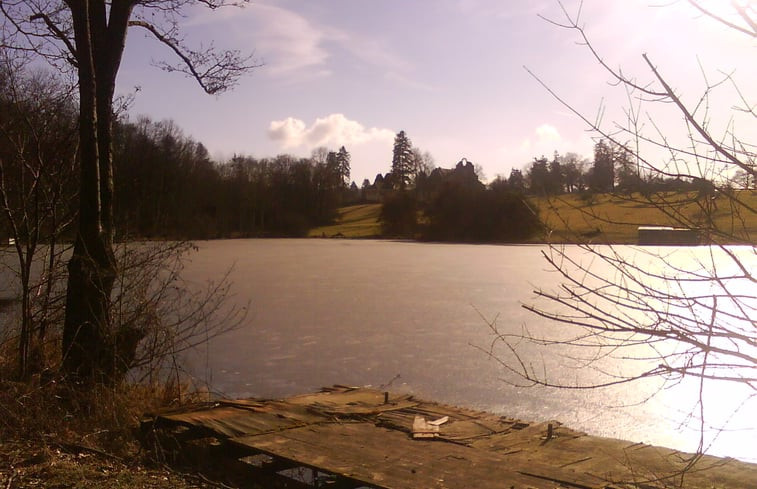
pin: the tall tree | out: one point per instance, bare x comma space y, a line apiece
556, 179
402, 161
603, 172
573, 172
90, 35
538, 176
627, 175
516, 181
343, 165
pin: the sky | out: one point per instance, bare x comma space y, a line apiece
453, 74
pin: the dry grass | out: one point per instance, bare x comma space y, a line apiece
615, 219
27, 464
355, 221
56, 435
53, 435
98, 417
603, 219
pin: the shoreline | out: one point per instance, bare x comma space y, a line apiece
366, 437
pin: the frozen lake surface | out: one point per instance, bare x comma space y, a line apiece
374, 312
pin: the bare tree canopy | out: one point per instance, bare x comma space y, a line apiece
47, 28
89, 36
663, 312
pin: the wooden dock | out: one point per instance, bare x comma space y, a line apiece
346, 437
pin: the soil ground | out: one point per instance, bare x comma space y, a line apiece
25, 464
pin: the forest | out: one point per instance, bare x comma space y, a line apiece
166, 185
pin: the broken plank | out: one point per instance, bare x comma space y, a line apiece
388, 459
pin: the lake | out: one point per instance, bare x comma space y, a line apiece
412, 318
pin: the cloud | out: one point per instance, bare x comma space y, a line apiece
296, 46
547, 134
330, 131
291, 42
546, 139
300, 45
285, 41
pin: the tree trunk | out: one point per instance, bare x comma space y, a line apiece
89, 344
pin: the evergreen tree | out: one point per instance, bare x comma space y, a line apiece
556, 180
343, 165
538, 176
402, 161
626, 172
516, 182
603, 174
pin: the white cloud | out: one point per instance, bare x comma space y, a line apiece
370, 147
547, 134
546, 139
288, 41
330, 131
297, 47
285, 41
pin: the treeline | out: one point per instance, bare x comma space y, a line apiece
450, 204
475, 213
613, 169
166, 185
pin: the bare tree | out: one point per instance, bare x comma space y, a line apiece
90, 37
159, 313
37, 163
663, 316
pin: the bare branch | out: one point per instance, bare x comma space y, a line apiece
215, 71
742, 11
57, 32
691, 120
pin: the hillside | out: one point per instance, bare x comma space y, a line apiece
355, 221
605, 218
615, 219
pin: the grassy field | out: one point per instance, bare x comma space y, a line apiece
355, 221
604, 219
615, 219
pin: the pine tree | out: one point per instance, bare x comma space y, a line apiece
402, 161
603, 176
343, 165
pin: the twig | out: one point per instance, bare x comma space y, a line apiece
74, 448
10, 479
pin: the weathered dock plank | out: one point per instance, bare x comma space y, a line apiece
389, 459
364, 438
